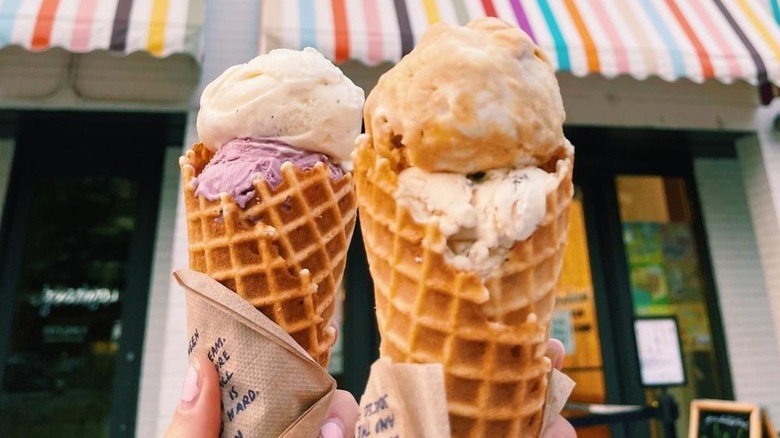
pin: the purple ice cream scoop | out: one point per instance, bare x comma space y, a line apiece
238, 162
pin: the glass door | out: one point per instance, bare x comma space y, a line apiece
646, 256
76, 272
663, 261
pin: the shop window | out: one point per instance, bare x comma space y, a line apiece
67, 328
77, 245
665, 276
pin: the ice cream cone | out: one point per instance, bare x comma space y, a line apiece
490, 333
284, 252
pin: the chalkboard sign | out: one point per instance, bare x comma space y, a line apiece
724, 419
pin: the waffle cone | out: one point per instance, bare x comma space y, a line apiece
490, 335
285, 252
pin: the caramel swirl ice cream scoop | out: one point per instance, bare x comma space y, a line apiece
485, 87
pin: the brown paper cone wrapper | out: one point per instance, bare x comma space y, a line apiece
285, 252
270, 385
490, 336
403, 400
408, 400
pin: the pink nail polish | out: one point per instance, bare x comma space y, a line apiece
190, 389
331, 430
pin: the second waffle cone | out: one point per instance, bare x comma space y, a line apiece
492, 344
285, 252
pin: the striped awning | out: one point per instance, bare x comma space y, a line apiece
726, 40
159, 27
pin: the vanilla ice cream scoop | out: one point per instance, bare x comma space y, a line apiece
468, 99
296, 97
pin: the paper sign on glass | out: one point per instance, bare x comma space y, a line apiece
660, 356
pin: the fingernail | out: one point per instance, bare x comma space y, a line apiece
331, 429
190, 389
555, 359
556, 353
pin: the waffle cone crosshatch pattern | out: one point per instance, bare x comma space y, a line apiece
285, 253
134, 145
428, 312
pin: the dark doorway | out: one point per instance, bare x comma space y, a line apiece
78, 235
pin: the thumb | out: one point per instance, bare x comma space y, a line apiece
198, 413
559, 428
341, 417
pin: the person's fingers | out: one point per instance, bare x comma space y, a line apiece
335, 326
559, 428
341, 417
555, 352
198, 413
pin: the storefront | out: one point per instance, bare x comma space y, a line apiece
676, 210
93, 104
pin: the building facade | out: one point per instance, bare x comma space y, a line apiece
677, 209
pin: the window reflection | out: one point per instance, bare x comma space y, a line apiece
61, 359
665, 275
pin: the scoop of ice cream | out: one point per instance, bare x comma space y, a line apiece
468, 99
481, 216
297, 97
239, 162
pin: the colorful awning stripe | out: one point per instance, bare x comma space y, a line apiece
699, 40
160, 27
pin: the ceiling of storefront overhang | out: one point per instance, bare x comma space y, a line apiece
99, 77
106, 53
